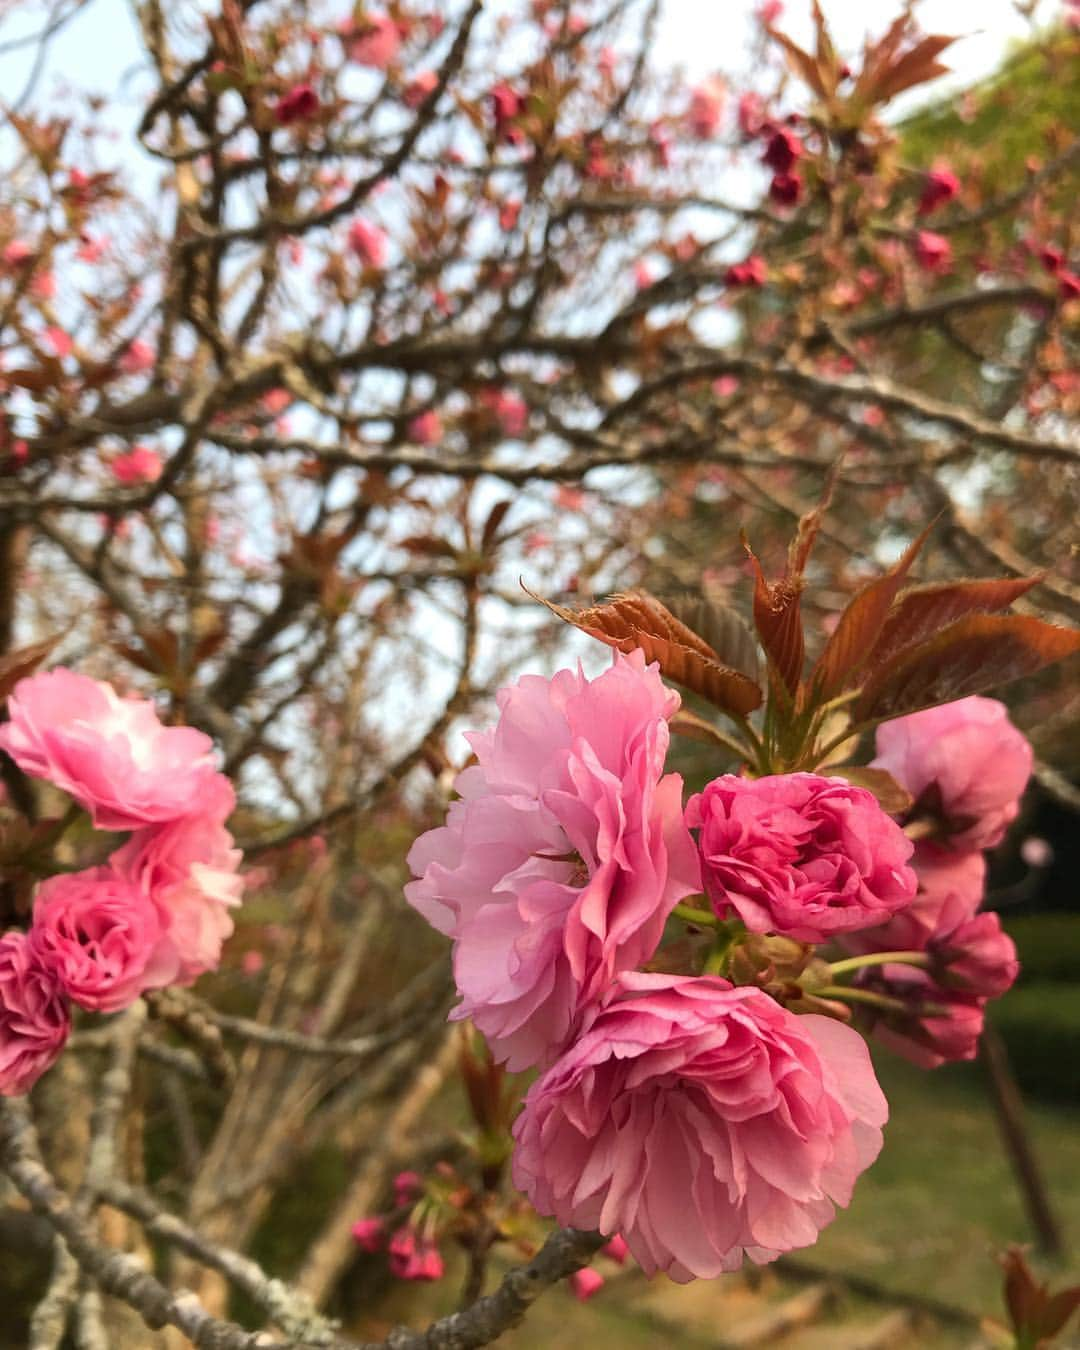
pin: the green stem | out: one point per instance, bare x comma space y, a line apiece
879, 959
847, 994
702, 918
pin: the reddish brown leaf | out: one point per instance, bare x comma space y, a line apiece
802, 64
639, 620
722, 630
860, 626
921, 611
778, 620
918, 66
1058, 1309
973, 654
24, 661
893, 799
491, 525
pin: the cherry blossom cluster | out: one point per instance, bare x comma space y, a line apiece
158, 910
704, 1114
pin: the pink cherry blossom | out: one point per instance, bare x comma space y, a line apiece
375, 42
786, 189
420, 87
111, 754
368, 242
188, 869
298, 104
972, 952
751, 115
585, 1283
17, 253
414, 1256
138, 356
752, 271
782, 150
941, 186
34, 1017
800, 855
966, 766
563, 856
704, 1123
426, 428
101, 937
141, 464
369, 1234
933, 252
944, 877
931, 1025
616, 1250
706, 108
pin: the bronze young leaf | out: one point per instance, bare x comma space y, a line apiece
977, 652
638, 620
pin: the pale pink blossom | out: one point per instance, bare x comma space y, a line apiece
703, 1122
800, 855
138, 356
374, 42
100, 936
188, 869
16, 253
563, 856
966, 766
368, 242
706, 107
34, 1016
111, 754
141, 464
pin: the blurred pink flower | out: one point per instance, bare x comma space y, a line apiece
188, 869
374, 42
414, 1256
298, 104
426, 428
138, 356
782, 150
368, 242
933, 252
706, 107
34, 1017
941, 186
616, 1250
111, 754
369, 1234
964, 763
800, 855
585, 1283
140, 464
100, 936
563, 856
752, 271
704, 1123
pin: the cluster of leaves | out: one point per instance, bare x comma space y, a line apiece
895, 649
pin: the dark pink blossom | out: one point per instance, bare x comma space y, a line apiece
34, 1016
585, 1283
800, 855
140, 464
752, 271
941, 186
369, 1234
702, 1122
100, 936
298, 104
782, 151
786, 189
